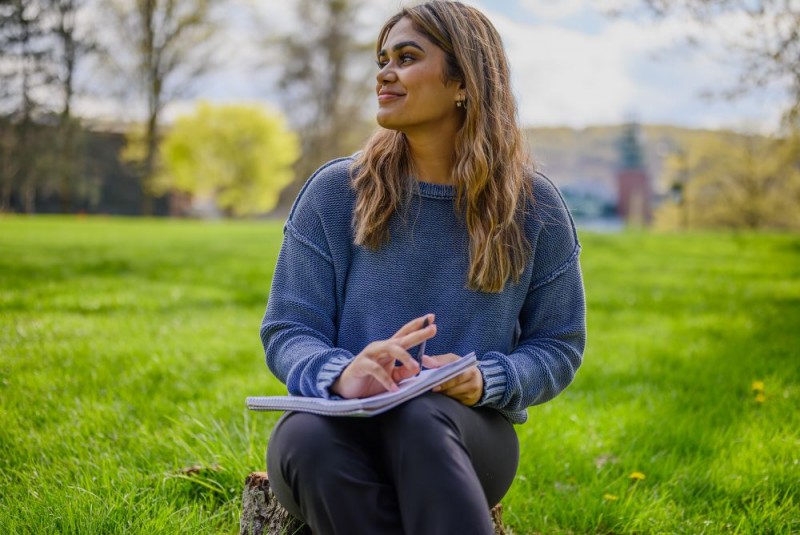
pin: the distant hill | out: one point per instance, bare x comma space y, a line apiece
586, 160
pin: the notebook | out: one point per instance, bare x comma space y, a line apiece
377, 404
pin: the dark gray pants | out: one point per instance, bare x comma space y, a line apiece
431, 465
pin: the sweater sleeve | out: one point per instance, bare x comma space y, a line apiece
552, 320
299, 328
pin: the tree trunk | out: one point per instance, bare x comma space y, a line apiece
149, 163
5, 198
29, 197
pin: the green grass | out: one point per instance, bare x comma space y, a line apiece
127, 348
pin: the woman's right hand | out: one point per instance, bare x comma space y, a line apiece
373, 370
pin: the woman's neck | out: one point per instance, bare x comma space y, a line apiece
432, 157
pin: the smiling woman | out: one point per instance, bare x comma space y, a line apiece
412, 96
438, 232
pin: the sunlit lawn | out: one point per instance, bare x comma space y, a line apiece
127, 348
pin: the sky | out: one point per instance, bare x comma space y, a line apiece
572, 65
575, 65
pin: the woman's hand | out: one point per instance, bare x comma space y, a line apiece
373, 370
466, 387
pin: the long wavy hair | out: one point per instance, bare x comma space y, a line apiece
492, 185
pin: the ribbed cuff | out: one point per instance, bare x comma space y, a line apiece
495, 382
331, 371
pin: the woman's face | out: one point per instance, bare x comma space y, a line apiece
412, 95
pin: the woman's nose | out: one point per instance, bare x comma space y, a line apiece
386, 74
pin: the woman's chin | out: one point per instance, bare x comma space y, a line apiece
385, 120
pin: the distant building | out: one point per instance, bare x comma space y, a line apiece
634, 192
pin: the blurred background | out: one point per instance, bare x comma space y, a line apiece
672, 114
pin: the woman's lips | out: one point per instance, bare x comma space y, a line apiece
388, 97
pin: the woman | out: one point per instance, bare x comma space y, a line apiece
438, 218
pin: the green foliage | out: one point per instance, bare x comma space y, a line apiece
734, 181
238, 155
127, 348
135, 149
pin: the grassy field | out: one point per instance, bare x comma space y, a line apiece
127, 348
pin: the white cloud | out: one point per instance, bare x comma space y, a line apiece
553, 9
563, 76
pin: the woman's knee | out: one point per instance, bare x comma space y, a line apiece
428, 417
299, 439
314, 447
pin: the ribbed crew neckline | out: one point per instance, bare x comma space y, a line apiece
435, 191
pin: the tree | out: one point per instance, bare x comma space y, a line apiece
324, 81
238, 156
25, 74
169, 44
41, 146
26, 56
734, 181
73, 45
768, 53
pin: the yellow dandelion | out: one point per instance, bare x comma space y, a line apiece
758, 386
610, 497
760, 397
636, 476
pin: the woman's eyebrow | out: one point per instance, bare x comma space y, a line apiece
400, 45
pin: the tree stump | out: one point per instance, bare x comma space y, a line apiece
263, 515
261, 512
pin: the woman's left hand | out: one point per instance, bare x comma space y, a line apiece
466, 387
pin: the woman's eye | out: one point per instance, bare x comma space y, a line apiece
402, 60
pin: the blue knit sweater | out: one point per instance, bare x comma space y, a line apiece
330, 297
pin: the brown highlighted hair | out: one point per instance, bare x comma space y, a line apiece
489, 163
